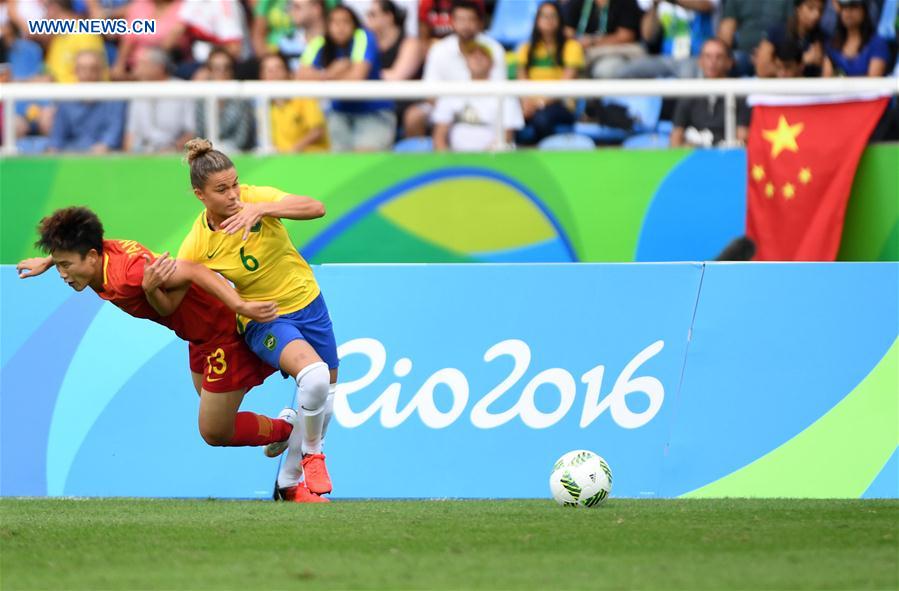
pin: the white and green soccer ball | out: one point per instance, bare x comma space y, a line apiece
580, 478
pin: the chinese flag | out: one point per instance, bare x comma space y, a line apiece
802, 160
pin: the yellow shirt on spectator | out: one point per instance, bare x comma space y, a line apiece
61, 52
292, 120
545, 67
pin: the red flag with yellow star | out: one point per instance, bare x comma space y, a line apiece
802, 161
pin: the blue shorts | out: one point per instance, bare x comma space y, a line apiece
311, 324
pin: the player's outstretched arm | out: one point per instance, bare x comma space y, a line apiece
221, 289
167, 280
163, 289
289, 207
34, 266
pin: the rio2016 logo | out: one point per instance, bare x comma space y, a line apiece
387, 403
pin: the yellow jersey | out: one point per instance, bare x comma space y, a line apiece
265, 267
292, 120
545, 66
63, 49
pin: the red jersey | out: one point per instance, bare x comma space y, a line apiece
201, 318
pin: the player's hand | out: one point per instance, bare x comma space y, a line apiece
259, 311
33, 267
245, 219
157, 272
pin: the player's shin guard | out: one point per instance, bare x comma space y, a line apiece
312, 395
253, 429
329, 411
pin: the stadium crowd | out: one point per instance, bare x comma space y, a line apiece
441, 40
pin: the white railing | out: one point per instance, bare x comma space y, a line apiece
263, 92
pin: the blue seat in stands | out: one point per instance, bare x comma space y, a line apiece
414, 144
644, 110
513, 21
647, 141
566, 141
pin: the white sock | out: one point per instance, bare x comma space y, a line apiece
312, 396
328, 412
291, 471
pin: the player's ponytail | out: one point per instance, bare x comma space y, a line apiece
204, 160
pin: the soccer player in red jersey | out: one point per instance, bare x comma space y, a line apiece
168, 292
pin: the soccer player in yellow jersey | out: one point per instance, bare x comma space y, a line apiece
240, 236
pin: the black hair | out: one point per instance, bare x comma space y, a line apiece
279, 56
789, 51
841, 33
397, 13
468, 5
536, 37
218, 50
73, 229
793, 20
329, 49
739, 249
727, 48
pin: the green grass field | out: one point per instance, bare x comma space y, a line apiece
625, 544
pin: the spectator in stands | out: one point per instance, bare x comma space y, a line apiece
548, 56
609, 31
855, 49
158, 125
700, 121
218, 24
62, 48
23, 62
787, 61
802, 28
349, 52
168, 36
24, 56
435, 20
272, 26
20, 12
446, 60
309, 21
88, 126
679, 27
831, 15
236, 124
744, 24
469, 123
408, 7
298, 124
400, 56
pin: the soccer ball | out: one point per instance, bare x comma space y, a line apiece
580, 478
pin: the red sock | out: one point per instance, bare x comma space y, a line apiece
253, 429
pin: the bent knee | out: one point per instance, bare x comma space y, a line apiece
313, 385
215, 437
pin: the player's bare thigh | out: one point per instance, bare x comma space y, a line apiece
299, 354
198, 381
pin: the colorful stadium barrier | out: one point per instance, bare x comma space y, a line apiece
526, 206
470, 380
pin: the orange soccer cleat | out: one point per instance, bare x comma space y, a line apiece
298, 494
317, 478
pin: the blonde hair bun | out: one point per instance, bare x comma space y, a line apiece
197, 147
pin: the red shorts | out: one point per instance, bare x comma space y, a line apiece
228, 365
